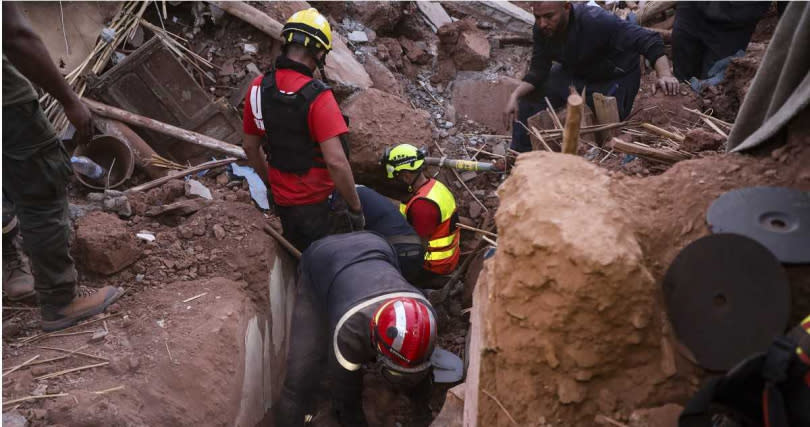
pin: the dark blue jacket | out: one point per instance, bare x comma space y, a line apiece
597, 46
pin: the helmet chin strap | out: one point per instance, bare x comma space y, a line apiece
413, 181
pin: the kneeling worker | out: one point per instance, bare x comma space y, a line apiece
354, 307
431, 210
383, 217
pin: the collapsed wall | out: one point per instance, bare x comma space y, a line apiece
571, 326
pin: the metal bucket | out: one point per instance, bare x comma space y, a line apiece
113, 155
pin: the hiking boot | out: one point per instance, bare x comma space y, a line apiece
18, 283
86, 303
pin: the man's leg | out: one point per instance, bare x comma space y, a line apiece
18, 283
36, 182
687, 52
305, 358
305, 224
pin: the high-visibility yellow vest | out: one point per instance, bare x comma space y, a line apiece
442, 253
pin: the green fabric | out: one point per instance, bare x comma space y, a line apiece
16, 88
781, 87
36, 170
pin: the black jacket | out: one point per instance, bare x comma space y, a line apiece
597, 46
350, 276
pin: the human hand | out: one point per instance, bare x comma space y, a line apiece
357, 220
510, 112
79, 115
668, 84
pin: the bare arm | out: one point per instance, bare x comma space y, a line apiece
341, 172
510, 112
23, 47
666, 81
252, 144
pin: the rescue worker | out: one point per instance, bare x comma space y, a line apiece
383, 217
593, 49
292, 126
706, 32
431, 210
353, 307
36, 170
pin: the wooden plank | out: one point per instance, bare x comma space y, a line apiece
511, 10
165, 128
434, 13
607, 112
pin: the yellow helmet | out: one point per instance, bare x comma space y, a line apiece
308, 28
403, 157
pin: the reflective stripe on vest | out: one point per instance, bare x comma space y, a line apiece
441, 255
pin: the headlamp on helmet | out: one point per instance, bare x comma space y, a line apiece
403, 157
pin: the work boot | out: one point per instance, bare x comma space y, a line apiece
18, 283
86, 302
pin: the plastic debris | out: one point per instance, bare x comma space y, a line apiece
258, 191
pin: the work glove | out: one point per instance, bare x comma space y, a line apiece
356, 219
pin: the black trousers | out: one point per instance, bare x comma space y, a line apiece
310, 351
697, 44
624, 89
305, 224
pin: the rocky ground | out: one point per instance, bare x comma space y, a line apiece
444, 91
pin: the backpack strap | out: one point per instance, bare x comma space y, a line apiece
312, 89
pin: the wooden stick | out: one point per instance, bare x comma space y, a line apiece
712, 118
195, 297
490, 241
171, 359
109, 390
602, 419
20, 308
20, 365
553, 114
54, 359
284, 242
69, 352
477, 230
27, 398
70, 334
500, 405
714, 126
458, 177
533, 132
67, 371
665, 133
607, 112
48, 334
166, 129
573, 121
180, 174
664, 156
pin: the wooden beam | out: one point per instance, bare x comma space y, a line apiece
434, 14
341, 65
184, 135
607, 112
663, 156
573, 121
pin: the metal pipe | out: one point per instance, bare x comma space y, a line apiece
465, 165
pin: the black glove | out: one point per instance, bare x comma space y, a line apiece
356, 219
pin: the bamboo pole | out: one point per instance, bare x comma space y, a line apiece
573, 121
182, 134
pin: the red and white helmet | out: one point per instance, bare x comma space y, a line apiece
404, 332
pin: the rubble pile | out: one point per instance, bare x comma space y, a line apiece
563, 325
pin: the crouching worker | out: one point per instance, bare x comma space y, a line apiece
353, 307
431, 210
383, 217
